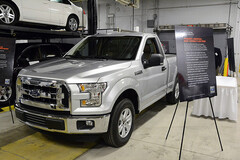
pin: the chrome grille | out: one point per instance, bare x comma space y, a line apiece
41, 93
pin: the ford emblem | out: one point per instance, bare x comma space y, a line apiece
35, 93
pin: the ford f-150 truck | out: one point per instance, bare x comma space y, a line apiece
98, 86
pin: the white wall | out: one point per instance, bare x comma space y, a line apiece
169, 12
172, 12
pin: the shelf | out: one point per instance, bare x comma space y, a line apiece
20, 32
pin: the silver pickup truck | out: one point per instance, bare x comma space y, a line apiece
98, 86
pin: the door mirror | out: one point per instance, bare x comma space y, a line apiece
155, 60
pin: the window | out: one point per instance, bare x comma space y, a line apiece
50, 51
61, 1
58, 1
116, 48
150, 48
32, 53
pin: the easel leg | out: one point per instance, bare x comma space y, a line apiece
216, 124
172, 120
184, 126
11, 111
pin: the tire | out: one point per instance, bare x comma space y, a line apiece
122, 116
8, 13
7, 96
173, 97
72, 23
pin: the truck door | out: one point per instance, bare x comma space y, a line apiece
154, 79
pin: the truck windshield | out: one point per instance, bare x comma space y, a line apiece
115, 48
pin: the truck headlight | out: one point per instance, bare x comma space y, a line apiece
18, 88
95, 90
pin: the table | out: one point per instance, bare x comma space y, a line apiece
224, 104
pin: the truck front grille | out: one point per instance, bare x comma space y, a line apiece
47, 94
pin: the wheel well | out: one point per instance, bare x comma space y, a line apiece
131, 95
11, 2
74, 16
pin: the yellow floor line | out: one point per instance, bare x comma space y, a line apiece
6, 109
38, 147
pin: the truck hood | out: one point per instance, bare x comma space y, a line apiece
74, 71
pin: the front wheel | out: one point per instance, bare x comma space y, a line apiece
8, 13
72, 24
121, 124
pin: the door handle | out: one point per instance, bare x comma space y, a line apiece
164, 68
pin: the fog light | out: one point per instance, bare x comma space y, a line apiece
89, 124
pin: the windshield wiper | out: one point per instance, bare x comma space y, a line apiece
77, 57
68, 56
101, 58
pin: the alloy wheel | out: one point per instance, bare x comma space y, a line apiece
73, 24
5, 93
125, 123
7, 14
177, 91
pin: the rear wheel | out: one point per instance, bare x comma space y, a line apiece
173, 96
72, 23
121, 124
8, 13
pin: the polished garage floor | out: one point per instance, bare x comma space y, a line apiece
18, 142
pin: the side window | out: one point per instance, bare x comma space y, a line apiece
50, 51
150, 48
66, 2
31, 54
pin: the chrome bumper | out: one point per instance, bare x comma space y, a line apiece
67, 124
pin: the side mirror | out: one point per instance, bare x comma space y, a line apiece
155, 60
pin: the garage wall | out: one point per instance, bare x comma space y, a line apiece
171, 12
168, 12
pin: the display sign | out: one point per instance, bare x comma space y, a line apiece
7, 52
195, 62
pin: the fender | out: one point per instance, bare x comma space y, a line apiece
115, 91
18, 4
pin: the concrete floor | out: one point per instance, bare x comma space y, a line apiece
147, 141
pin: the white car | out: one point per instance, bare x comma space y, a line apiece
61, 13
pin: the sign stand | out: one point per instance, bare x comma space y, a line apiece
184, 126
11, 112
7, 54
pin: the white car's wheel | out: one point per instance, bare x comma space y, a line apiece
8, 13
72, 23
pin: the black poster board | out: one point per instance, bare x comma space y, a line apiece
7, 53
231, 57
195, 62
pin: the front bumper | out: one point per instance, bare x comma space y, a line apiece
63, 124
